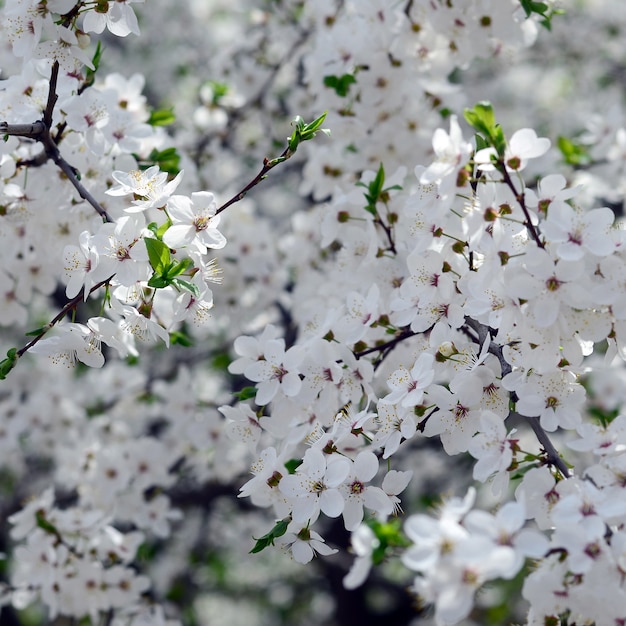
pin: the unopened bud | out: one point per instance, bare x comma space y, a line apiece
83, 39
514, 163
447, 349
458, 247
490, 215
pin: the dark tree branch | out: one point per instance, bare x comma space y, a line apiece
267, 166
552, 456
40, 131
519, 197
71, 304
387, 346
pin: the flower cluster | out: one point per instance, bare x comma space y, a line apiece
442, 281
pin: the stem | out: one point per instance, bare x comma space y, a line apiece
53, 153
267, 166
388, 232
40, 131
519, 197
386, 346
69, 305
553, 456
52, 96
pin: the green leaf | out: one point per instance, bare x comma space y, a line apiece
573, 153
304, 132
157, 230
158, 282
186, 286
168, 160
221, 361
36, 332
159, 255
268, 539
90, 74
180, 338
292, 465
309, 130
530, 7
542, 9
341, 84
481, 142
44, 524
176, 268
219, 90
482, 119
375, 190
245, 394
6, 365
162, 228
162, 117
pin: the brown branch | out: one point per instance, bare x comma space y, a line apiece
40, 131
52, 96
552, 456
387, 345
70, 304
519, 197
267, 166
53, 153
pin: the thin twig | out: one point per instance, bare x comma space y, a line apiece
40, 131
52, 96
519, 197
387, 345
552, 455
267, 166
69, 305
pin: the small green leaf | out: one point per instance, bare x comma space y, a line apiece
221, 361
162, 117
481, 142
176, 268
6, 365
219, 90
90, 74
158, 253
186, 286
158, 282
573, 153
36, 332
180, 338
482, 119
162, 228
268, 539
304, 132
341, 84
44, 524
376, 190
309, 130
168, 160
245, 394
542, 9
530, 6
292, 465
157, 230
